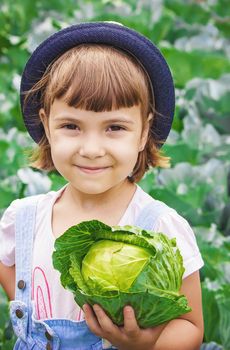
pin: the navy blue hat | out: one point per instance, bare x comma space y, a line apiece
109, 33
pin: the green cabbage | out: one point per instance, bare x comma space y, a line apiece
117, 266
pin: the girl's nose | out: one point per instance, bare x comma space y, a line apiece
91, 147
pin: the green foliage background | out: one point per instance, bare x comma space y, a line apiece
193, 36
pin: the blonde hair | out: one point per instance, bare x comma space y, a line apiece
98, 78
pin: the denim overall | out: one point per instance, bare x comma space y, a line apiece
51, 334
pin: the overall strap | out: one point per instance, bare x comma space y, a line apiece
24, 236
150, 213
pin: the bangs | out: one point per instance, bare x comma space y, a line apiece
98, 78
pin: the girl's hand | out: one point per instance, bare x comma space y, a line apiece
130, 336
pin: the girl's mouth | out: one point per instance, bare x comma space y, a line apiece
92, 170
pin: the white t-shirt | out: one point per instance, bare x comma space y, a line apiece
51, 299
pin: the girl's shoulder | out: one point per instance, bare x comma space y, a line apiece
167, 220
163, 216
41, 199
7, 222
156, 207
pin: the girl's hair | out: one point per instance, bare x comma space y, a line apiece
98, 78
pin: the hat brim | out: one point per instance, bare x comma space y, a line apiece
101, 33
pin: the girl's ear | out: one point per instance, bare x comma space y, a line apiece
45, 121
145, 132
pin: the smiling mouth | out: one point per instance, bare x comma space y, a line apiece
90, 170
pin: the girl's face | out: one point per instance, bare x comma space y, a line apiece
94, 151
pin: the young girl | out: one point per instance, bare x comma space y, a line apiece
98, 98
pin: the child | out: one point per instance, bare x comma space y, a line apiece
98, 98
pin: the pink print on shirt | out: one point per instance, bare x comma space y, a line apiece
41, 294
80, 316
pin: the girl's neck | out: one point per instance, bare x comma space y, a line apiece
114, 196
72, 208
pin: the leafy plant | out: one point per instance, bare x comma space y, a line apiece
116, 266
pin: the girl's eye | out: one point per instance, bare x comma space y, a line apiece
116, 128
70, 126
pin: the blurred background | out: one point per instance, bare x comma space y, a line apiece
194, 38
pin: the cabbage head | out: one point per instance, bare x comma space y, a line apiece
122, 265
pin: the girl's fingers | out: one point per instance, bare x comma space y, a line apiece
91, 320
101, 325
105, 322
131, 327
